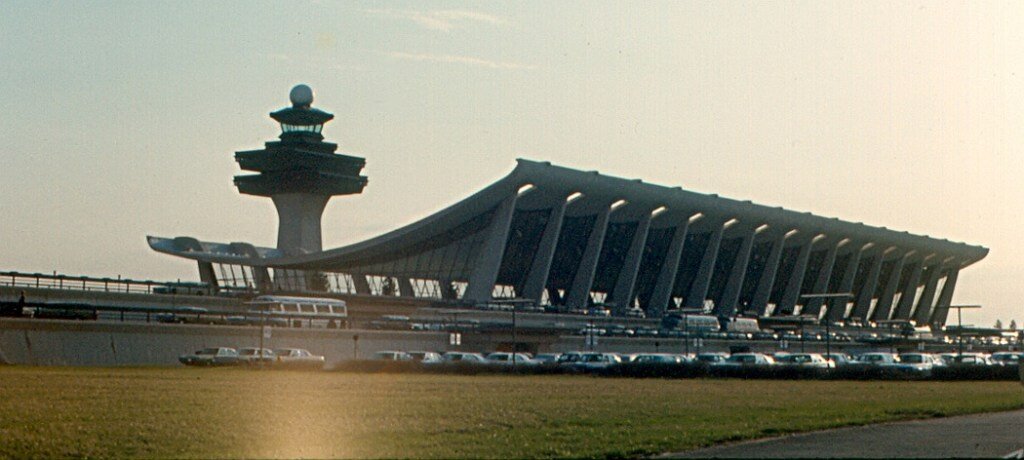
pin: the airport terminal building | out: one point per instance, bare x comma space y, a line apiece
570, 238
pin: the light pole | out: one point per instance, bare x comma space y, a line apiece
960, 329
515, 343
828, 324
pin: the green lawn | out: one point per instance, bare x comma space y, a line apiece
242, 413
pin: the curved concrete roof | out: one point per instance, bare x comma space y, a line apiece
553, 183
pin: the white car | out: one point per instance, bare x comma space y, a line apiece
426, 357
598, 360
391, 355
254, 356
746, 359
217, 356
506, 359
814, 360
919, 362
463, 357
298, 357
659, 358
876, 359
971, 359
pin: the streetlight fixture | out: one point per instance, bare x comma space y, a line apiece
828, 324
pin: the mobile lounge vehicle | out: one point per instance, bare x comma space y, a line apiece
300, 311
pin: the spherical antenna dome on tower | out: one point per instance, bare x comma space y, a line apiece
301, 96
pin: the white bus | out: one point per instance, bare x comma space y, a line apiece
302, 311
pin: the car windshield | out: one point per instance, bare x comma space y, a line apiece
208, 351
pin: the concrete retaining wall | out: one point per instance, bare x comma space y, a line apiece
92, 343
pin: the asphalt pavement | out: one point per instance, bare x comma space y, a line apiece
997, 435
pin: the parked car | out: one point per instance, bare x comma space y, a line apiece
463, 357
570, 358
547, 358
426, 357
840, 359
746, 359
590, 361
216, 356
598, 311
814, 360
506, 359
972, 359
391, 355
877, 359
298, 357
253, 356
1007, 358
919, 362
712, 358
659, 358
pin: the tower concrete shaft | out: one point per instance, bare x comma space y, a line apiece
298, 229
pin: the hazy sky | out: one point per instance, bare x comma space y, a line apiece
119, 120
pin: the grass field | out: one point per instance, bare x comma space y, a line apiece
182, 412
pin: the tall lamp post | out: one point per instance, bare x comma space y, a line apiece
960, 329
828, 324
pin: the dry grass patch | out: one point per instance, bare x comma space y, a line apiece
179, 412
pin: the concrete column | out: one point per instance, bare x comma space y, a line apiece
362, 286
763, 292
622, 295
208, 276
867, 292
488, 261
447, 290
699, 291
663, 286
579, 292
945, 298
903, 309
298, 215
537, 278
263, 281
924, 305
787, 304
883, 308
813, 305
405, 287
733, 286
837, 306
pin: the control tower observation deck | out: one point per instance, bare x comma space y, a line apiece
300, 172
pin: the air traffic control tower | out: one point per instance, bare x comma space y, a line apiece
300, 172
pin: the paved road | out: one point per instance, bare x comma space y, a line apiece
999, 435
